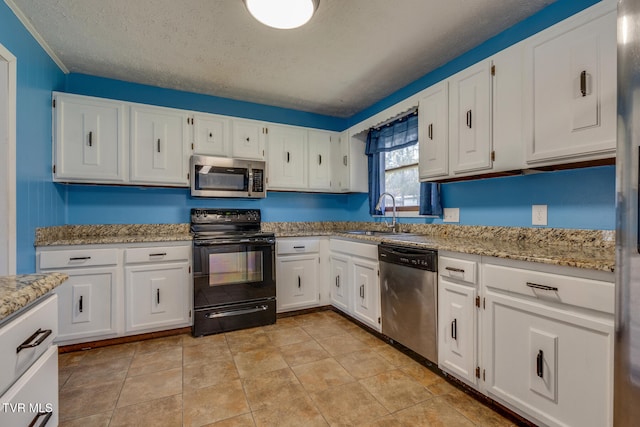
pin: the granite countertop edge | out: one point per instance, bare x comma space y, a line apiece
547, 248
20, 291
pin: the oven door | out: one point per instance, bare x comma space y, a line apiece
230, 273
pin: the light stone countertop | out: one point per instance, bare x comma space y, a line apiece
590, 249
18, 292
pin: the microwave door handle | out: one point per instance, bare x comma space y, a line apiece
250, 184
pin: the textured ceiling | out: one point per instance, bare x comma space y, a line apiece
349, 56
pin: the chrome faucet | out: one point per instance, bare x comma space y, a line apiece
393, 200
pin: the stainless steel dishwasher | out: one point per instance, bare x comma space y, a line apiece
409, 297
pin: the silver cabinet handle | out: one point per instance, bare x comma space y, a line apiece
44, 332
454, 269
542, 287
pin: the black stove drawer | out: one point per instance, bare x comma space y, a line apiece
233, 317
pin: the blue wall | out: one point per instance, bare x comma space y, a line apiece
39, 202
576, 199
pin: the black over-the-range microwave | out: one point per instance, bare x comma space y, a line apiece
224, 177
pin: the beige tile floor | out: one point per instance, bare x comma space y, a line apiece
315, 369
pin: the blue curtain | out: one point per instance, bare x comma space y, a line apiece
398, 134
430, 199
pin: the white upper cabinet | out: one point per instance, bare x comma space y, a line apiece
349, 164
287, 157
321, 145
571, 95
211, 135
248, 139
433, 131
89, 139
471, 119
158, 146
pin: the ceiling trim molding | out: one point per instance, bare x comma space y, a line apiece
29, 26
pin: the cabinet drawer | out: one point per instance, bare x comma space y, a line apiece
576, 291
78, 258
297, 246
157, 254
459, 269
22, 331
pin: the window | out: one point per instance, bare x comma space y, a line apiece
401, 177
393, 168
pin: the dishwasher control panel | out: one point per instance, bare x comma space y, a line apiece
411, 256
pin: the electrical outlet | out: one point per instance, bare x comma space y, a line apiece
539, 214
451, 215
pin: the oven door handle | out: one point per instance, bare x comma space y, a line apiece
237, 312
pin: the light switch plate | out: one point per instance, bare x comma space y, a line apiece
539, 214
451, 215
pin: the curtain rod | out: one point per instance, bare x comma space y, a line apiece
402, 115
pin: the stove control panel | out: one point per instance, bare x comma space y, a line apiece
213, 216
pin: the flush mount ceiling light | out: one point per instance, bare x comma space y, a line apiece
282, 14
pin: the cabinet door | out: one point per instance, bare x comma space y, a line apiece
297, 282
366, 291
37, 390
457, 329
158, 146
287, 155
340, 164
248, 139
555, 365
573, 105
86, 303
211, 135
89, 139
339, 284
157, 295
433, 132
470, 96
320, 149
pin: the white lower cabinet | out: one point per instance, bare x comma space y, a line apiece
339, 284
548, 345
297, 273
156, 295
458, 316
87, 303
29, 366
119, 289
366, 287
355, 281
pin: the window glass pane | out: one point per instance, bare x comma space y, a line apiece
401, 157
404, 185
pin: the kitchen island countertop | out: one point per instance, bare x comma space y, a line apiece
18, 292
